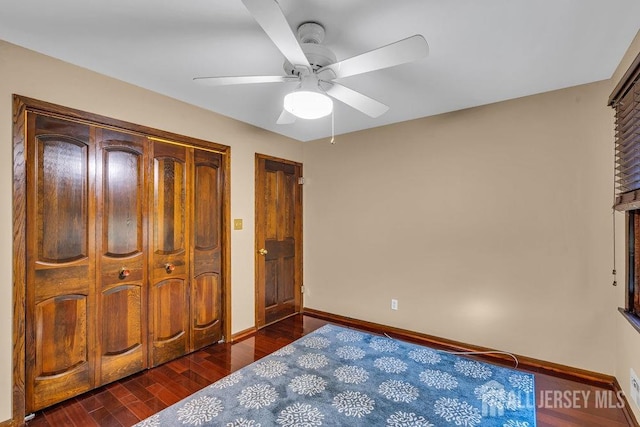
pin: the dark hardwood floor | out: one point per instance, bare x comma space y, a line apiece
560, 402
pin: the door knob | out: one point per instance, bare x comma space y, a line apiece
124, 273
169, 267
263, 252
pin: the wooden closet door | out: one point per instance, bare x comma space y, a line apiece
206, 291
169, 263
121, 242
60, 261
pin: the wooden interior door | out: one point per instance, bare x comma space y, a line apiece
121, 242
206, 280
278, 239
169, 263
60, 261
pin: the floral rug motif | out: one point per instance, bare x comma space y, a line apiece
342, 377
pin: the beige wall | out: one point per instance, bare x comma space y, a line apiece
491, 226
627, 353
27, 73
627, 357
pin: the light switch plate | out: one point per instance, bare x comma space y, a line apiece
237, 224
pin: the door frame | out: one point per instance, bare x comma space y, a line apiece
259, 259
22, 105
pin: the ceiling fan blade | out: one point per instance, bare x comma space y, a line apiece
360, 102
270, 17
400, 52
286, 118
242, 80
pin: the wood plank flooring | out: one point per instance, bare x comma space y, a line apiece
125, 402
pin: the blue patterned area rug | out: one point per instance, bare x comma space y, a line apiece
343, 377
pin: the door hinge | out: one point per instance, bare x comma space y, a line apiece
302, 289
301, 180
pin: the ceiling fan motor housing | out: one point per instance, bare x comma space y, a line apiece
311, 32
311, 36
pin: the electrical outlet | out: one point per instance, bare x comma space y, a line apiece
394, 304
635, 388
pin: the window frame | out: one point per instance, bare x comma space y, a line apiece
632, 288
627, 197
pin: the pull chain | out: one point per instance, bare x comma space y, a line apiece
333, 127
613, 222
613, 216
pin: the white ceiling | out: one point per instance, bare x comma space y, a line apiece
481, 51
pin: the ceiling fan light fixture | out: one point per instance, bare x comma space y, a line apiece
307, 104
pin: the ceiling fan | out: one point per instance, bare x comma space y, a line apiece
315, 67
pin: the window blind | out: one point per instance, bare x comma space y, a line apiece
625, 99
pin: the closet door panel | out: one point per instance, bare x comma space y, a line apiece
61, 334
207, 201
207, 308
170, 204
121, 336
170, 321
62, 367
122, 330
62, 174
60, 261
206, 294
169, 255
123, 199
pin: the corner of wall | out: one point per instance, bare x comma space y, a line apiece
627, 349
